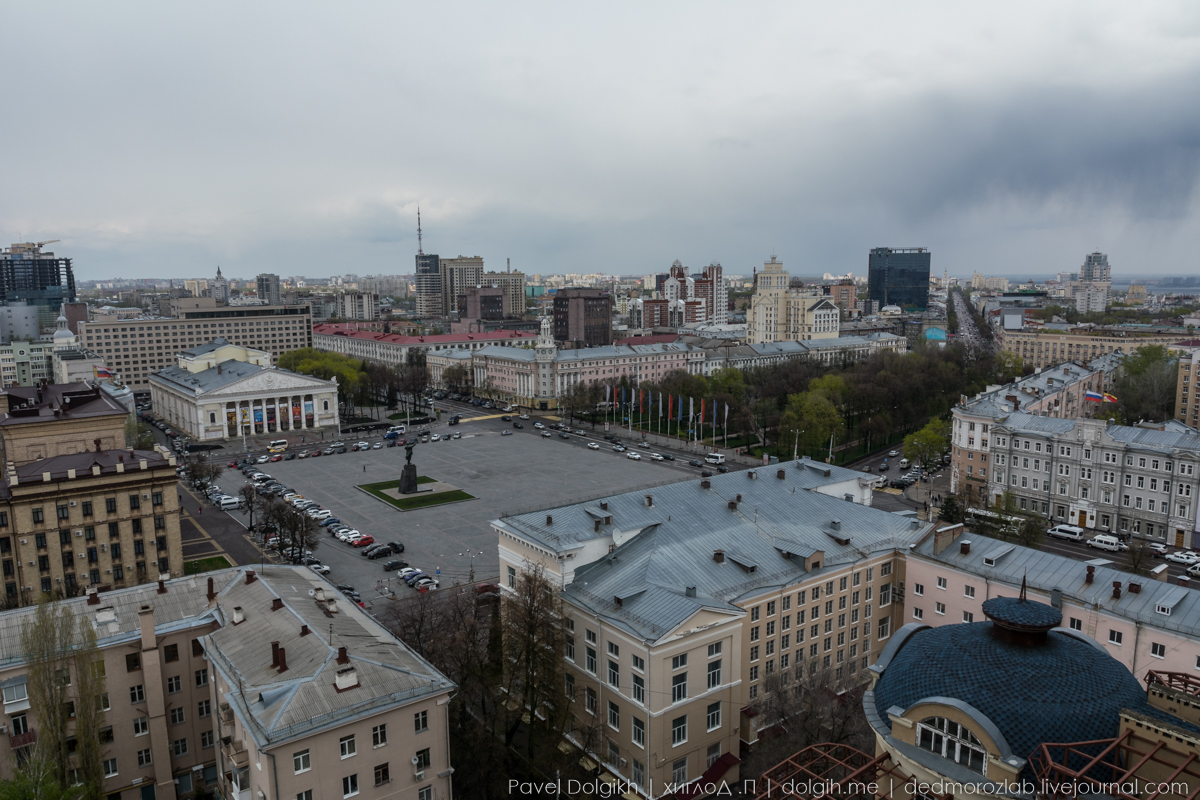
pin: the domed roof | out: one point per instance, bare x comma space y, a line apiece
1063, 689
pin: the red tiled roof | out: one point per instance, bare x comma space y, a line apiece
351, 330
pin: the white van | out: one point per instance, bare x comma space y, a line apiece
1105, 542
1066, 532
228, 502
715, 458
904, 463
278, 446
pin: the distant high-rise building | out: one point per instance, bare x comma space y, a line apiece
780, 313
512, 284
40, 279
1096, 269
358, 305
219, 288
713, 289
268, 289
583, 317
481, 303
428, 281
198, 288
899, 276
457, 275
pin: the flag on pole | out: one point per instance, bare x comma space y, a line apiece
715, 412
670, 406
101, 372
691, 409
727, 415
680, 419
606, 388
660, 405
1108, 398
702, 410
1093, 396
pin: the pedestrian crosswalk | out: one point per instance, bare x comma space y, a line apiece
890, 490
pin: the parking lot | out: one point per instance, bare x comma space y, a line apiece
505, 473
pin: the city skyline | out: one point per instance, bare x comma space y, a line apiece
711, 137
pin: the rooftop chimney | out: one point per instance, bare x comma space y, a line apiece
304, 631
733, 505
549, 520
343, 657
97, 443
346, 678
162, 586
604, 505
964, 548
1135, 588
274, 654
277, 604
1091, 575
650, 501
93, 596
319, 595
690, 591
1116, 590
238, 616
781, 474
282, 659
250, 576
705, 484
211, 593
1184, 580
719, 556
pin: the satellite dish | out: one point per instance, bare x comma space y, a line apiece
312, 592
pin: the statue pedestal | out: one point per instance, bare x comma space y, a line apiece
408, 479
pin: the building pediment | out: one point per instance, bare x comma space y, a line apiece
273, 381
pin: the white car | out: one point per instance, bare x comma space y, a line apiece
262, 459
1183, 557
593, 446
377, 446
524, 416
656, 457
634, 456
404, 572
319, 514
349, 535
538, 425
1157, 549
364, 445
434, 438
1194, 570
320, 569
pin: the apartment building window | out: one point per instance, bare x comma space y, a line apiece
885, 628
143, 758
382, 775
1115, 637
754, 633
137, 694
639, 690
350, 785
110, 767
639, 732
110, 505
180, 748
177, 716
141, 726
512, 578
918, 613
420, 722
614, 716
589, 700
679, 662
678, 731
1158, 650
1076, 624
614, 673
174, 684
347, 746
426, 792
570, 648
639, 663
679, 688
202, 677
204, 709
885, 595
590, 662
918, 590
968, 616
968, 591
754, 614
714, 674
941, 583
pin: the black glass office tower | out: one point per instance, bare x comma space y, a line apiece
899, 276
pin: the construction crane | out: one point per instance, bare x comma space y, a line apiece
49, 241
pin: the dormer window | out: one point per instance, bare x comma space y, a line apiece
952, 741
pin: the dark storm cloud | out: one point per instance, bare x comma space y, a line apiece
301, 138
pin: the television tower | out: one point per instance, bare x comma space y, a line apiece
420, 252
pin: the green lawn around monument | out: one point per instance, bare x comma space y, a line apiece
416, 501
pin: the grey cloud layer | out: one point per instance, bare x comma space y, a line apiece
301, 139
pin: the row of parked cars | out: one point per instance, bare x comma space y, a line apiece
324, 518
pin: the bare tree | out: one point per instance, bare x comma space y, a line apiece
296, 530
251, 500
56, 643
1140, 557
803, 706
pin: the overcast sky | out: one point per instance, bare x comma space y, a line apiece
163, 139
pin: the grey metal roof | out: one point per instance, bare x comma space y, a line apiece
210, 379
1021, 422
1047, 571
208, 347
304, 699
115, 617
676, 537
1171, 438
1038, 385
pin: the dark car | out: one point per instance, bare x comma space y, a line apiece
290, 457
391, 443
668, 457
609, 437
379, 552
353, 448
706, 473
345, 587
325, 523
507, 418
563, 436
341, 450
394, 565
722, 469
309, 561
518, 425
695, 462
884, 467
397, 547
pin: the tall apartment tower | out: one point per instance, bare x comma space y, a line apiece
268, 289
457, 274
429, 285
899, 276
40, 279
583, 317
1096, 269
712, 288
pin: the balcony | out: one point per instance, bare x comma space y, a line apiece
235, 751
22, 739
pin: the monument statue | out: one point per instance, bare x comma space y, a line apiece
408, 478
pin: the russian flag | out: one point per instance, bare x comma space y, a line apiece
1094, 396
101, 372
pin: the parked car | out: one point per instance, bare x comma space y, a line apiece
506, 433
397, 547
563, 436
391, 566
695, 462
1183, 557
1157, 549
320, 569
524, 416
546, 434
377, 446
538, 425
721, 468
634, 456
668, 457
262, 459
506, 418
518, 425
434, 437
364, 541
593, 446
706, 473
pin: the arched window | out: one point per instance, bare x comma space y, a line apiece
212, 417
948, 739
325, 405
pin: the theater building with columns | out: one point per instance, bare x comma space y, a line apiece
222, 391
